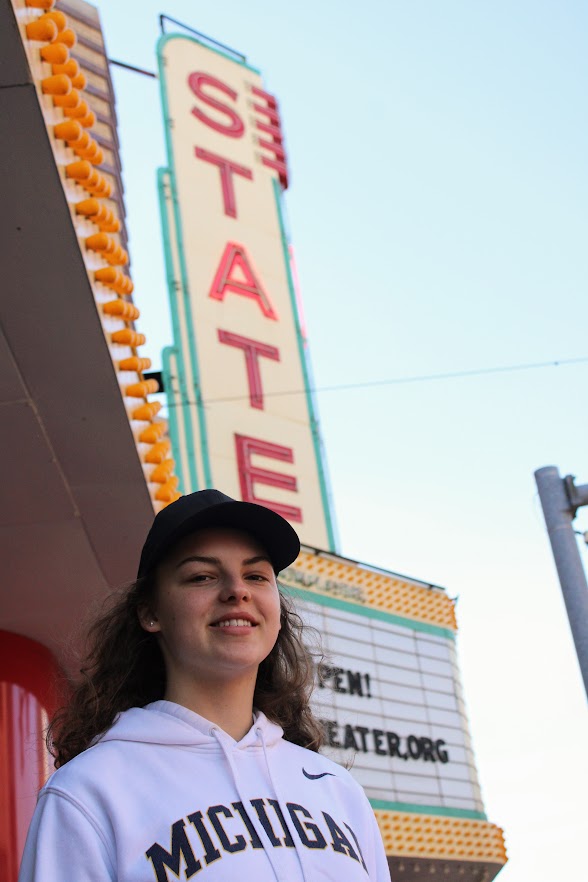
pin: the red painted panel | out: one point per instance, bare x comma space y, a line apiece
28, 678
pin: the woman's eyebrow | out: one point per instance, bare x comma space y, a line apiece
196, 558
216, 561
257, 559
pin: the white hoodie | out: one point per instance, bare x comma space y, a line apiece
166, 795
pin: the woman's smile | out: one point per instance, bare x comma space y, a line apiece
235, 622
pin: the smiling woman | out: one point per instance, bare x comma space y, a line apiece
190, 746
217, 616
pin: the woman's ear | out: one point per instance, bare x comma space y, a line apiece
148, 619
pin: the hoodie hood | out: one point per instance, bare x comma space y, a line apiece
164, 722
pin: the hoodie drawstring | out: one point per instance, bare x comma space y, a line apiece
298, 849
263, 835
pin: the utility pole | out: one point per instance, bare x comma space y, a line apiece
560, 500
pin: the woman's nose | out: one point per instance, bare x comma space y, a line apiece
235, 588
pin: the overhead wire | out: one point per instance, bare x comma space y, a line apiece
398, 381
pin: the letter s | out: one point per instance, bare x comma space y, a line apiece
234, 128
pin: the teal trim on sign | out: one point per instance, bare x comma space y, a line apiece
383, 805
182, 261
369, 612
172, 419
184, 397
192, 39
305, 374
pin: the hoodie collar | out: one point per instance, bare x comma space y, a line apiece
165, 722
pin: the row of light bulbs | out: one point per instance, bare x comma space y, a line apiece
65, 86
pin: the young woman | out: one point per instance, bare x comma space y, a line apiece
190, 747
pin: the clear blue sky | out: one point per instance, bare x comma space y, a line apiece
438, 208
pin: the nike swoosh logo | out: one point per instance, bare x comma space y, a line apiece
316, 777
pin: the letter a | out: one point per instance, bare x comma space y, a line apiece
235, 258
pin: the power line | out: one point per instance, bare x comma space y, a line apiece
139, 70
399, 381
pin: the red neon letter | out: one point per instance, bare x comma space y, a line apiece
234, 128
226, 168
235, 257
252, 349
250, 474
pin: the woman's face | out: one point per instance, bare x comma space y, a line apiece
216, 609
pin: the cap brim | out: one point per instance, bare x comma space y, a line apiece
279, 539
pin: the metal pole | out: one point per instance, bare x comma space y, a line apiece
560, 499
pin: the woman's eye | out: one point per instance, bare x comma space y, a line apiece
198, 577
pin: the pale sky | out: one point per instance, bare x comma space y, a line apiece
438, 210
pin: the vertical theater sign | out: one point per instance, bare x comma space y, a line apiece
242, 418
241, 411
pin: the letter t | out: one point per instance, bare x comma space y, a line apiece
226, 169
252, 349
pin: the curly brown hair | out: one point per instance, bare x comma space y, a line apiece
124, 668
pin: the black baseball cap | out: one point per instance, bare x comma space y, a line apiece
211, 508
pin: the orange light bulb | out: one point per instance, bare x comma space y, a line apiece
40, 4
107, 275
80, 144
42, 29
70, 68
134, 363
68, 37
76, 112
59, 18
88, 120
54, 53
79, 171
72, 99
152, 433
58, 85
68, 130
